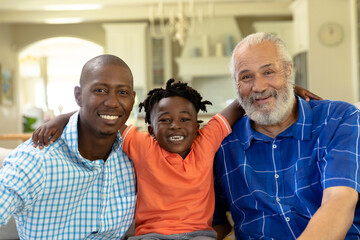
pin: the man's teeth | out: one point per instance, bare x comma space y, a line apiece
109, 117
176, 138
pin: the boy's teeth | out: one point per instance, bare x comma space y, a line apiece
176, 138
109, 117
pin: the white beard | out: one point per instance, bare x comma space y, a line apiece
265, 115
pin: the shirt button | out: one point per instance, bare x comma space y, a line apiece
105, 195
278, 199
287, 219
276, 176
274, 146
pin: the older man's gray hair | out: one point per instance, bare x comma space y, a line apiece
257, 38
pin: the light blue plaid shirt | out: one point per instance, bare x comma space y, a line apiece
273, 186
55, 193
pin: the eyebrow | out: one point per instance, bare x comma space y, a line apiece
266, 65
261, 67
164, 113
109, 85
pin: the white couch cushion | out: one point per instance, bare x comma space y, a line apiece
4, 152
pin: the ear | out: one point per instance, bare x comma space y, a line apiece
289, 73
77, 94
151, 131
197, 130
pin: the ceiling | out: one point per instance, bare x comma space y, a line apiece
39, 11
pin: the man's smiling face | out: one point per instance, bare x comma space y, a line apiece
106, 98
264, 90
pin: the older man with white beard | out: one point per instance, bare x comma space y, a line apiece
290, 169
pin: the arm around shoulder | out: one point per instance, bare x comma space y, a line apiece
53, 128
233, 112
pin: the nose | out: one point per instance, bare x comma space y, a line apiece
175, 124
112, 100
260, 83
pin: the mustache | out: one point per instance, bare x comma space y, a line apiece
265, 94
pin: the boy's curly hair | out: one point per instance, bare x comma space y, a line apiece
172, 89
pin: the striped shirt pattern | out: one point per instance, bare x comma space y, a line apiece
273, 186
55, 193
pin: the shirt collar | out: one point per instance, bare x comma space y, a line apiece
300, 130
70, 137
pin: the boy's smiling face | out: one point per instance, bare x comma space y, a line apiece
174, 124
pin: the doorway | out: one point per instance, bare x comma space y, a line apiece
48, 72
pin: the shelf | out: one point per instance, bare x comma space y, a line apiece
199, 67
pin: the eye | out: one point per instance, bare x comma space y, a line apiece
245, 77
268, 72
99, 91
123, 92
164, 120
184, 119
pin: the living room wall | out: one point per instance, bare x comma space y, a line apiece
10, 120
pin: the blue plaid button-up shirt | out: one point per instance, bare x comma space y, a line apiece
55, 193
274, 186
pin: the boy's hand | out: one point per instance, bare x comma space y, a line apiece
305, 94
42, 134
52, 128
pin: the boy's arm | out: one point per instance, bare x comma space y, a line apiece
233, 112
53, 128
305, 94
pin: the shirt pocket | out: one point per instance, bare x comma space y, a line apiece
307, 171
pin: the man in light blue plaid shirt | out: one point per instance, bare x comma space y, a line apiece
290, 169
82, 186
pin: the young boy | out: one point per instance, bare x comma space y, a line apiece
174, 163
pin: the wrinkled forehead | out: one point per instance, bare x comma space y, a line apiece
256, 55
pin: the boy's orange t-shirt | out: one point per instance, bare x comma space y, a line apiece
175, 195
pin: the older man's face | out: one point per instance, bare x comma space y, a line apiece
263, 88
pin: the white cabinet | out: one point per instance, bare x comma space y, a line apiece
129, 41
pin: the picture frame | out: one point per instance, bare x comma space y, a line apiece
7, 86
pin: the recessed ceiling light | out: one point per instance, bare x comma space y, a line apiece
72, 7
63, 20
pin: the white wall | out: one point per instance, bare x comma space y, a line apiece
331, 67
332, 70
10, 120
